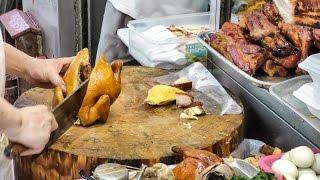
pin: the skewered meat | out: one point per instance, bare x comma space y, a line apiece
103, 89
299, 36
316, 37
195, 162
78, 71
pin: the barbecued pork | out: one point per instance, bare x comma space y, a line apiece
248, 57
271, 11
316, 37
268, 35
272, 69
231, 43
301, 37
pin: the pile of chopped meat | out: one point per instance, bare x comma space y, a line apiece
263, 42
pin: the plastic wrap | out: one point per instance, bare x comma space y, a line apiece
205, 88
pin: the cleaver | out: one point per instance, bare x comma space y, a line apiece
65, 114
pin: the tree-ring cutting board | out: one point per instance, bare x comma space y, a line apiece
135, 133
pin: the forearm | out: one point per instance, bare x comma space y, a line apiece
17, 61
8, 116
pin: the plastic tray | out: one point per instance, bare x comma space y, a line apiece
138, 42
284, 93
262, 81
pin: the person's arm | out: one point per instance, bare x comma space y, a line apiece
38, 72
30, 126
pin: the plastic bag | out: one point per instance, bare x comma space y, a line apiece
205, 88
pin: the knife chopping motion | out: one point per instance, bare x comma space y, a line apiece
31, 126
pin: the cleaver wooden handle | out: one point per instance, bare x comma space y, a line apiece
14, 150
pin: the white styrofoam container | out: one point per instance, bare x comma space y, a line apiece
312, 65
138, 42
307, 94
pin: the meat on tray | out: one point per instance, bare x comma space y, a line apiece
262, 41
231, 43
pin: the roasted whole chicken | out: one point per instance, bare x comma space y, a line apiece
78, 71
197, 164
103, 89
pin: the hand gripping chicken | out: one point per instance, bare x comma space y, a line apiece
103, 89
78, 71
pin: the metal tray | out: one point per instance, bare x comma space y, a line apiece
283, 92
262, 81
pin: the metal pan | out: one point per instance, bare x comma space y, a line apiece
263, 81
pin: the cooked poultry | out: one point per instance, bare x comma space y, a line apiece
195, 161
306, 5
278, 45
103, 89
299, 36
78, 71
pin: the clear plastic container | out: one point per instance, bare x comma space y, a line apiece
139, 43
308, 95
312, 65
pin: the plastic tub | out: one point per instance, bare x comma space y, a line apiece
309, 96
140, 44
312, 65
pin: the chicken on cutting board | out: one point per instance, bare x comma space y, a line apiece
103, 89
78, 71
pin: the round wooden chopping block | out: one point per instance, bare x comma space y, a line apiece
135, 133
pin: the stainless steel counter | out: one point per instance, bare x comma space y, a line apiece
267, 119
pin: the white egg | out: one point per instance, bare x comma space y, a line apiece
285, 167
289, 177
286, 156
302, 157
316, 164
306, 170
308, 176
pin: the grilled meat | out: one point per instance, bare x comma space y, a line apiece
233, 31
268, 35
306, 5
271, 11
316, 37
248, 57
260, 27
307, 21
278, 45
299, 36
231, 43
272, 69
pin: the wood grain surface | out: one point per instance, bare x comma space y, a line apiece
135, 133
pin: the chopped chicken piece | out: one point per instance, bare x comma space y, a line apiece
183, 100
183, 83
192, 113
